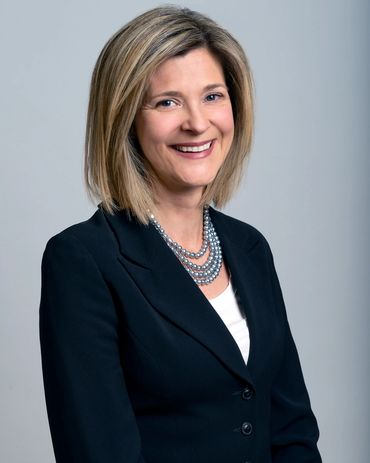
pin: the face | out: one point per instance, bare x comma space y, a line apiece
185, 127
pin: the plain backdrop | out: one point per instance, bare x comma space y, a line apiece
306, 188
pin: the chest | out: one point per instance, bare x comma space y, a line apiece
174, 345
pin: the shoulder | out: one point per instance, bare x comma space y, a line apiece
91, 236
242, 233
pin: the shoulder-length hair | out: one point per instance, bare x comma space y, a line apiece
115, 169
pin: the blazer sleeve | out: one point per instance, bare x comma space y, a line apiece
90, 415
294, 429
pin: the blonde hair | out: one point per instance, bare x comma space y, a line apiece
115, 169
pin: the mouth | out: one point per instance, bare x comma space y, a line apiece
195, 150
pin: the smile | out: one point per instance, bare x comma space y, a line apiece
193, 148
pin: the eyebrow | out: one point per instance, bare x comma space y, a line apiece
176, 93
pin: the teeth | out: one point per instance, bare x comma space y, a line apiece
193, 149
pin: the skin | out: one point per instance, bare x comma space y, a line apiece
187, 105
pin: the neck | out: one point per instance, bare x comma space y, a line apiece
182, 220
205, 270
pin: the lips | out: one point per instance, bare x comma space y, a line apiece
195, 150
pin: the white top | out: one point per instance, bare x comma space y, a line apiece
229, 311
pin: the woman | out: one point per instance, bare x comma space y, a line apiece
163, 330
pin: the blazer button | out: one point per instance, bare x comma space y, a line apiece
247, 428
247, 393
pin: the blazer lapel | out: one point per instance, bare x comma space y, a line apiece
237, 250
170, 289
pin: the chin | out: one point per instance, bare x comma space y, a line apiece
200, 180
199, 183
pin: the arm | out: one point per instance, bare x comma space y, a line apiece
294, 430
90, 414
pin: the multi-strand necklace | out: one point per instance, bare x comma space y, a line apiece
202, 274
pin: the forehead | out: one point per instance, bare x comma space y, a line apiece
198, 67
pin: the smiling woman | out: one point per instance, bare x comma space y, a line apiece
117, 171
164, 335
185, 127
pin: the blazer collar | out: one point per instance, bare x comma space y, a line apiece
171, 290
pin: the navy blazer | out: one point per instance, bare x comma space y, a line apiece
139, 368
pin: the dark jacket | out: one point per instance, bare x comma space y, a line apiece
138, 367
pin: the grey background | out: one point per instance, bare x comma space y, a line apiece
306, 188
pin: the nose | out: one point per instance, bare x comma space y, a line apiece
195, 119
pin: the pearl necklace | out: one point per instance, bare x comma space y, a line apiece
205, 273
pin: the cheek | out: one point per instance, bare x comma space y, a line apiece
153, 136
225, 122
155, 131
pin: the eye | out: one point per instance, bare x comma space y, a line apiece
165, 104
213, 96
